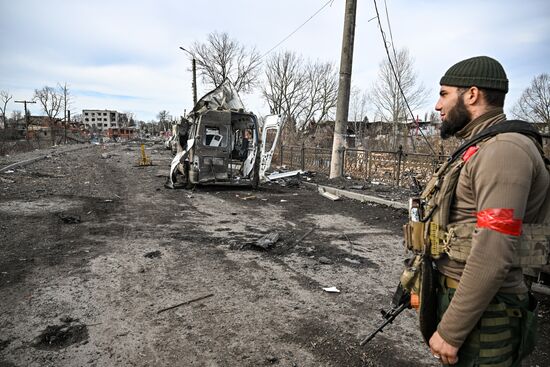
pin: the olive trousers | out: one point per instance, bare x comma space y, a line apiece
505, 334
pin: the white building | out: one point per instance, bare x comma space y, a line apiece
103, 119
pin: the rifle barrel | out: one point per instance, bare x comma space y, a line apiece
393, 314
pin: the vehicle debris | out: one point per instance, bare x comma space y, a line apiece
278, 175
219, 142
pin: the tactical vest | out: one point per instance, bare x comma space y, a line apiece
429, 232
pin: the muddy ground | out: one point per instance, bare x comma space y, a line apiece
95, 254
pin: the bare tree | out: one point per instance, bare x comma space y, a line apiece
221, 57
303, 92
130, 118
358, 112
386, 93
165, 120
5, 97
286, 89
50, 100
16, 115
534, 103
66, 98
321, 92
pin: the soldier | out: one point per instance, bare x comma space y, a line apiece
474, 214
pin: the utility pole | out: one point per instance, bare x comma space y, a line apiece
342, 105
26, 116
68, 121
194, 68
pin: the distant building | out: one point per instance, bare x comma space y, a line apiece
103, 119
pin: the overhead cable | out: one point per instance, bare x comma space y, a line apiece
296, 30
395, 73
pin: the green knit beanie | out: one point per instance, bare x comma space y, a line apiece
479, 71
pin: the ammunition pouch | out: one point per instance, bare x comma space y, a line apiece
413, 232
533, 249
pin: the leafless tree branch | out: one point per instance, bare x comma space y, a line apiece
534, 103
221, 57
50, 100
5, 97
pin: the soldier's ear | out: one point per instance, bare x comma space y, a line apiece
473, 96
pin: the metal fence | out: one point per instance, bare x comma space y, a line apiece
395, 168
388, 167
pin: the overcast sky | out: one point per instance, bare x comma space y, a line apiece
125, 55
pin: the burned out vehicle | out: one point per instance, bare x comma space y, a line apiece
220, 143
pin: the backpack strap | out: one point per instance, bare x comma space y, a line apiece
509, 126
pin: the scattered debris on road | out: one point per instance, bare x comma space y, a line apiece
267, 241
328, 195
69, 219
153, 254
301, 238
278, 175
331, 290
186, 303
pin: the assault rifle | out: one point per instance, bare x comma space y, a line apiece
401, 300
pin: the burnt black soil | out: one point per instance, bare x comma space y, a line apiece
56, 337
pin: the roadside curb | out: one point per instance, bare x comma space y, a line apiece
35, 159
357, 196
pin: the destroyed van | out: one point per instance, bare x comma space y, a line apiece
220, 143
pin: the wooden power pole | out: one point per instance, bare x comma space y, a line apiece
342, 106
26, 116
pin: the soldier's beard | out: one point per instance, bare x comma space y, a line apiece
455, 120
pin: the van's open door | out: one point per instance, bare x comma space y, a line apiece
270, 136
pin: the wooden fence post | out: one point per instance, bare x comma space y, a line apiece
303, 157
399, 159
281, 154
369, 160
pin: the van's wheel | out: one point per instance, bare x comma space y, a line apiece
187, 181
255, 181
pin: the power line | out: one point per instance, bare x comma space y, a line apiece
395, 74
297, 29
389, 29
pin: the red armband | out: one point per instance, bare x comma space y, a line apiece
500, 220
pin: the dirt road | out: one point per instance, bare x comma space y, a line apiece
94, 249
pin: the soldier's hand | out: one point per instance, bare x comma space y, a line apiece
442, 350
